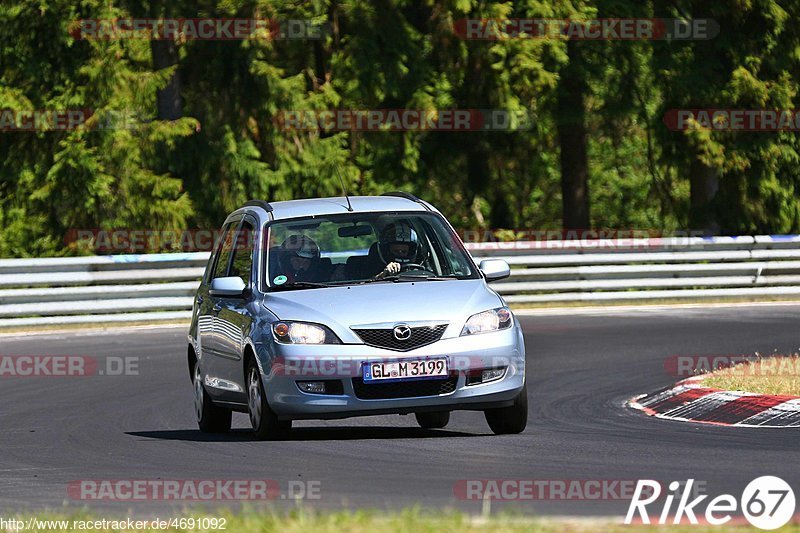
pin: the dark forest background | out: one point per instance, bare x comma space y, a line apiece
202, 137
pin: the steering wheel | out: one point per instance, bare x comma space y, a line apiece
412, 266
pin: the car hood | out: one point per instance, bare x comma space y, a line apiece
340, 308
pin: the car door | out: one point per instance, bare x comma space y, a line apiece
235, 316
205, 304
214, 363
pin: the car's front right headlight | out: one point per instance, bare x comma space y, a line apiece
288, 332
491, 320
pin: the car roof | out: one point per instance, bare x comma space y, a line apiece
338, 205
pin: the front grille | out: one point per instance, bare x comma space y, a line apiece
384, 338
403, 389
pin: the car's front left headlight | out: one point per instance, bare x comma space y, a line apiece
491, 320
287, 332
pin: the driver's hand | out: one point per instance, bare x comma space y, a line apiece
391, 269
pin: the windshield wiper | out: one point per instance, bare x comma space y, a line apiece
376, 280
299, 285
407, 277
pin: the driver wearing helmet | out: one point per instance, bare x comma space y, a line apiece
299, 258
398, 245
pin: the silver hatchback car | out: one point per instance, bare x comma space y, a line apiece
337, 307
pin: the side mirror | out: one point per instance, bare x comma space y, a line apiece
495, 269
233, 286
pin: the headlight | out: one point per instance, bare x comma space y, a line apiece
491, 320
303, 333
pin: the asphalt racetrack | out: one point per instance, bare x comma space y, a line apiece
582, 367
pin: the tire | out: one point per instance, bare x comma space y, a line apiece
266, 425
433, 420
210, 418
511, 419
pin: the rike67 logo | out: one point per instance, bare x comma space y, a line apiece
767, 502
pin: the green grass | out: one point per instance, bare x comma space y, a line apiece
770, 375
410, 520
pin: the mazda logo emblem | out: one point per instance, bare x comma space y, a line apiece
402, 332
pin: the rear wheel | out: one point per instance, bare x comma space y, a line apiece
434, 420
511, 419
266, 425
210, 418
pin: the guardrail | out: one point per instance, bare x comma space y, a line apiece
128, 288
113, 288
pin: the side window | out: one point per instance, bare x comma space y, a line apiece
212, 261
242, 264
224, 254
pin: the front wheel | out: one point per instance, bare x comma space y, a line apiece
435, 420
210, 418
511, 419
266, 425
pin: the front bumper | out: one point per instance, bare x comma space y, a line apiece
284, 365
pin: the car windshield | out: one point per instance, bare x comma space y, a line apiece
357, 248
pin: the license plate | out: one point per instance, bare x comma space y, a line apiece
435, 367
